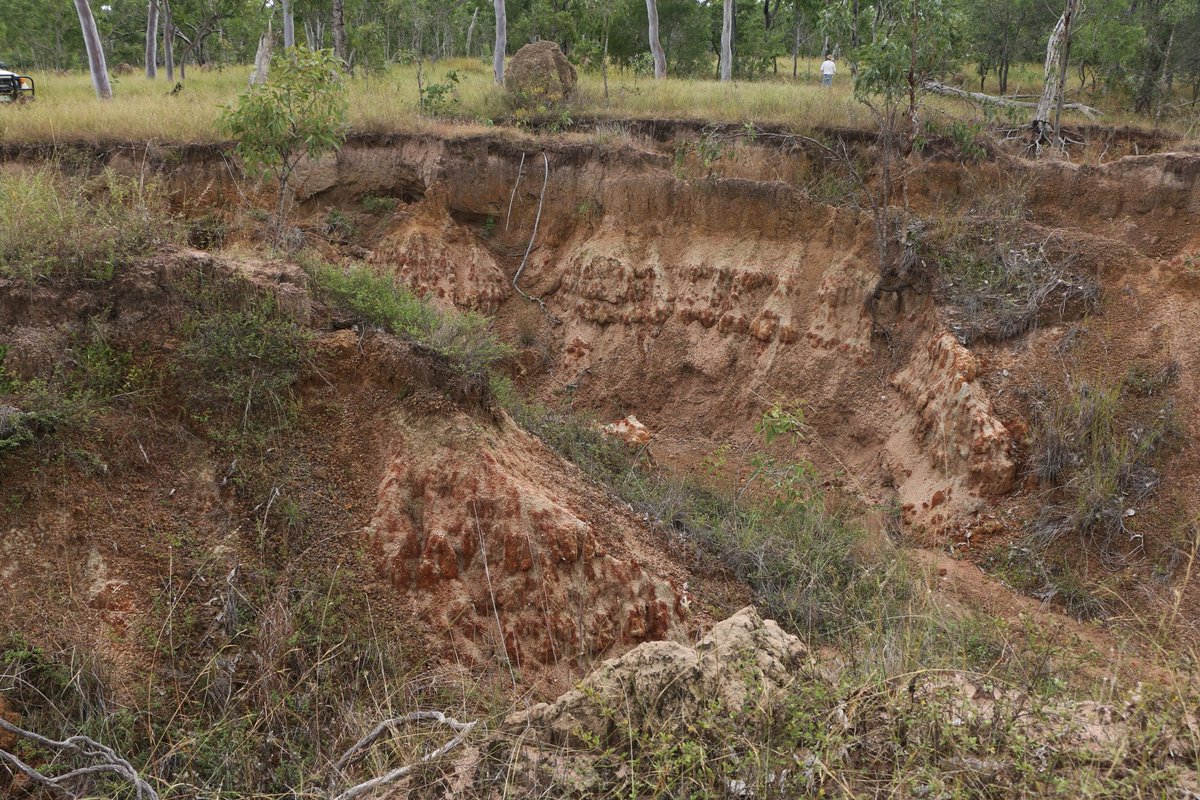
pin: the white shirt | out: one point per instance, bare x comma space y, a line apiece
828, 67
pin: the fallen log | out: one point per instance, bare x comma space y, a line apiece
988, 99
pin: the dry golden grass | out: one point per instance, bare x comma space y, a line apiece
66, 108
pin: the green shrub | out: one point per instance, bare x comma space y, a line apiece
299, 112
439, 98
378, 204
239, 362
91, 377
64, 227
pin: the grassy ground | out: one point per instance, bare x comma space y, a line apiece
66, 108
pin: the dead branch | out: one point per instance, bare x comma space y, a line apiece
79, 745
988, 99
536, 221
355, 752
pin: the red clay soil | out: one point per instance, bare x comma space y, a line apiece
395, 473
692, 301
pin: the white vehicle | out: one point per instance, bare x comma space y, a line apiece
15, 88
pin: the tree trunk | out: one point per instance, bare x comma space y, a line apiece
289, 25
660, 58
194, 45
604, 64
853, 27
339, 33
912, 73
796, 51
1168, 79
1057, 50
95, 50
470, 30
501, 42
152, 40
262, 59
727, 41
1063, 62
168, 20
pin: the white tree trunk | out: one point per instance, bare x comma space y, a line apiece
262, 59
727, 41
1057, 52
501, 42
471, 30
152, 40
168, 27
95, 51
660, 58
289, 25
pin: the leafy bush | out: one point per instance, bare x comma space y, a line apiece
465, 338
299, 112
378, 204
63, 227
439, 98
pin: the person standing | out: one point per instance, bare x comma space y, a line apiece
827, 70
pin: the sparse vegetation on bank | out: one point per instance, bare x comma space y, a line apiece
1099, 451
365, 297
61, 226
239, 357
998, 276
67, 395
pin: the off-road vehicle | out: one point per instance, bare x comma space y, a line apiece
14, 88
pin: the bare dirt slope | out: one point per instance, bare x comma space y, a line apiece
400, 479
694, 301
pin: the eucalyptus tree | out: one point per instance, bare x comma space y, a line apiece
152, 40
95, 50
660, 58
727, 40
501, 42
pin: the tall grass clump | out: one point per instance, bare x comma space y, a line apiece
370, 299
239, 359
66, 227
1097, 450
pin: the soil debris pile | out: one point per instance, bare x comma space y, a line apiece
750, 711
744, 660
657, 690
